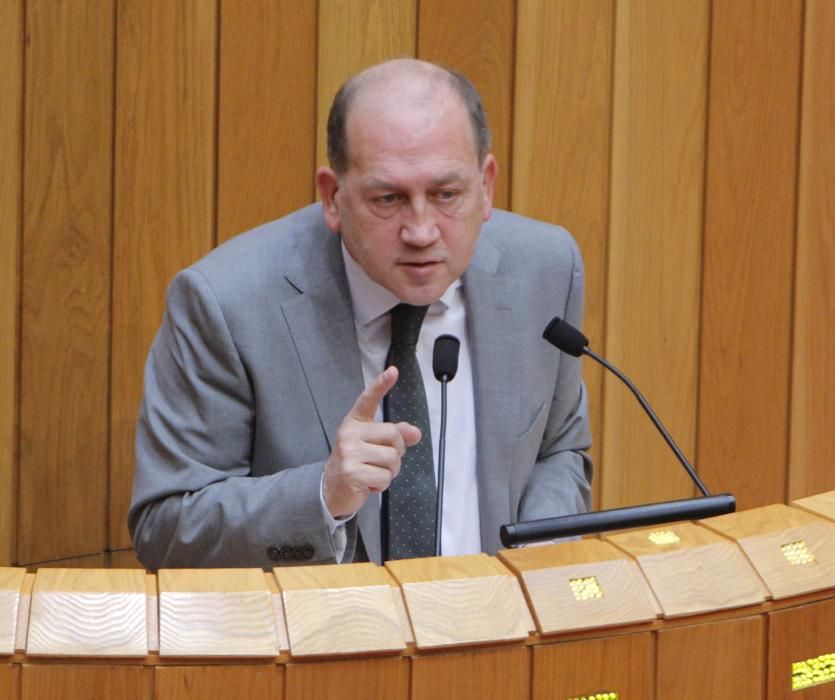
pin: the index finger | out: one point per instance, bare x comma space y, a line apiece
365, 407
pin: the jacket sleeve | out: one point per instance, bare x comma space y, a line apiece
560, 483
195, 501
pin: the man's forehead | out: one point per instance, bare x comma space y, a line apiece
377, 182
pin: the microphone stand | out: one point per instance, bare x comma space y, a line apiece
569, 340
439, 501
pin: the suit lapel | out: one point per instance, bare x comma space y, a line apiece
495, 345
321, 322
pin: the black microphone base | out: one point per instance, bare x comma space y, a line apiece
616, 519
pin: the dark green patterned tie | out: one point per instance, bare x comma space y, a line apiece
408, 513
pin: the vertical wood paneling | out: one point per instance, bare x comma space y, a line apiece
9, 681
693, 293
219, 682
475, 37
88, 682
266, 108
748, 252
652, 309
562, 109
694, 661
164, 200
812, 447
66, 279
355, 34
11, 110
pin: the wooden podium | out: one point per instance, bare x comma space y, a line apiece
742, 605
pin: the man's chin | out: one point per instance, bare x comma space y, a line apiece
422, 296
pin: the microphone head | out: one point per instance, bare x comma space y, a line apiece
563, 336
445, 357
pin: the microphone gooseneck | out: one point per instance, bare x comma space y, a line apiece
444, 366
568, 339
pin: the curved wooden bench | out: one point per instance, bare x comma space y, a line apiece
740, 606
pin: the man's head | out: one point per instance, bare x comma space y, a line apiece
411, 179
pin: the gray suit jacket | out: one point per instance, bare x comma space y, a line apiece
257, 363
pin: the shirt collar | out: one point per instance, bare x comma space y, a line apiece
371, 300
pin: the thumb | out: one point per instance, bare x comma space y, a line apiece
411, 434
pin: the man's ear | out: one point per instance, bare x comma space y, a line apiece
327, 183
489, 172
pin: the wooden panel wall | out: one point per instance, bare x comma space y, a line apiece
66, 278
11, 110
654, 263
687, 144
561, 138
751, 195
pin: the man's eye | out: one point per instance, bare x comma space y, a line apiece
390, 198
446, 195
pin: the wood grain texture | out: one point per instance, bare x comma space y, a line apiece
353, 35
58, 682
11, 582
164, 195
561, 129
547, 556
266, 111
625, 596
124, 559
784, 578
748, 248
433, 569
152, 612
215, 612
11, 151
701, 579
91, 561
461, 600
652, 306
88, 612
823, 504
358, 679
466, 611
623, 665
700, 572
65, 324
643, 542
340, 609
219, 682
476, 37
719, 660
343, 621
762, 533
786, 645
9, 681
330, 576
811, 445
24, 606
759, 521
472, 675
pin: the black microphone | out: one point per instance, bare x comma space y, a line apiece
444, 365
565, 337
569, 340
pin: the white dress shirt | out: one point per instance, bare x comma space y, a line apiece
371, 303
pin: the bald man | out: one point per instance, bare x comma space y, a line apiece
261, 439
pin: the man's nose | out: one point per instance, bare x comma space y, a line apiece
419, 226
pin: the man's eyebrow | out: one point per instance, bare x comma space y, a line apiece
377, 184
447, 179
